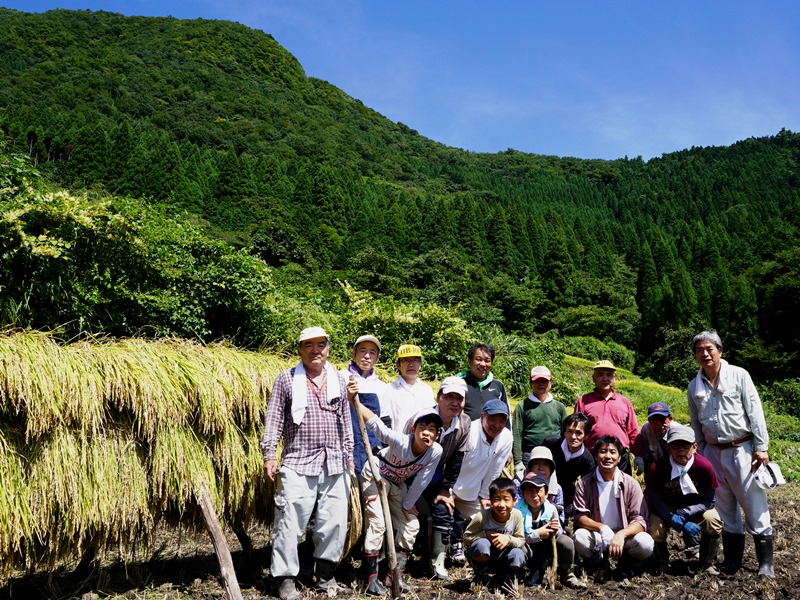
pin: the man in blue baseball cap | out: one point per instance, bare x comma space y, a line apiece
650, 444
491, 443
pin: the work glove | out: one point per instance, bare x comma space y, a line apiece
607, 534
691, 528
519, 471
678, 522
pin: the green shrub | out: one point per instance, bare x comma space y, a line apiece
783, 396
593, 349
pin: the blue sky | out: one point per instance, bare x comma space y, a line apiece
591, 79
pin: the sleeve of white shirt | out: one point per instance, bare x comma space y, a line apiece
505, 443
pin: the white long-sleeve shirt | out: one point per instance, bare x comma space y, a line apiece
407, 400
728, 411
483, 463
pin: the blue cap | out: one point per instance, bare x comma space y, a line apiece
495, 407
658, 408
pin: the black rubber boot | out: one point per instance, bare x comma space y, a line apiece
709, 546
402, 561
326, 581
661, 556
374, 587
764, 555
733, 550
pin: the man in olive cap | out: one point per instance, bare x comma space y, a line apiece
609, 412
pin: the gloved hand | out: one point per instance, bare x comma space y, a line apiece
678, 522
519, 471
606, 535
691, 528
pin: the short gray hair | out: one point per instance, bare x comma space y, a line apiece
711, 336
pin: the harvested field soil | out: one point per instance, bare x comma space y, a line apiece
184, 566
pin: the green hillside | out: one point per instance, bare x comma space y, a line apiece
219, 122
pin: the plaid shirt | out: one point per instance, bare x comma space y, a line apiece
325, 436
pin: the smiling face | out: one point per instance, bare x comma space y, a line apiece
607, 458
313, 353
575, 434
493, 425
604, 380
451, 405
681, 451
502, 502
541, 466
409, 368
365, 355
480, 364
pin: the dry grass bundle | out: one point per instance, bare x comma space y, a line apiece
238, 464
16, 518
44, 383
86, 487
101, 438
137, 382
178, 465
355, 522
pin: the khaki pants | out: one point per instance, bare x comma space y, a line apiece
709, 522
405, 528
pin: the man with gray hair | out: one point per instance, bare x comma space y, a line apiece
728, 421
308, 410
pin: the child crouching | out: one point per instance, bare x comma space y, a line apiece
416, 454
541, 523
494, 538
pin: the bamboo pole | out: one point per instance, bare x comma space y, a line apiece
387, 515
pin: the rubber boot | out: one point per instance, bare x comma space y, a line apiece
764, 555
566, 574
733, 550
287, 589
374, 587
661, 556
438, 554
326, 581
402, 561
709, 545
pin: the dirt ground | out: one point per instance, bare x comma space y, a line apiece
184, 567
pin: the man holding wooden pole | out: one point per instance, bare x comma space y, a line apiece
309, 411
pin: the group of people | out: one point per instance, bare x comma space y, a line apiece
516, 496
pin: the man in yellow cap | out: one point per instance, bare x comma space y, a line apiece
408, 394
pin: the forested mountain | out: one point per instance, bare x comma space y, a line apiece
220, 121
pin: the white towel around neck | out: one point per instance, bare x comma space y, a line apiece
300, 394
682, 472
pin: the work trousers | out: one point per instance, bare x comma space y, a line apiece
295, 499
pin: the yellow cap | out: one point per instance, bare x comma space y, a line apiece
605, 364
409, 350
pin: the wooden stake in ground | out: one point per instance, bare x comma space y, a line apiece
229, 581
387, 515
550, 577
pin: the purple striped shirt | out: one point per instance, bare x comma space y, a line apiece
323, 438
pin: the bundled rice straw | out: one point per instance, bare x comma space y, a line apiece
101, 439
